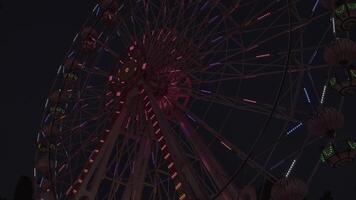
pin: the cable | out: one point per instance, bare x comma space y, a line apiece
276, 102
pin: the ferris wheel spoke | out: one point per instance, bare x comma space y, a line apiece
229, 77
98, 166
227, 144
211, 164
242, 104
186, 174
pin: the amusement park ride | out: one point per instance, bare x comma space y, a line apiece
183, 99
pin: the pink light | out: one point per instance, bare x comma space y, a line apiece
69, 189
61, 168
132, 48
252, 47
170, 165
158, 130
118, 93
160, 139
225, 145
154, 124
164, 146
167, 156
250, 101
146, 116
263, 16
144, 65
182, 197
149, 110
178, 185
152, 116
263, 55
110, 78
174, 175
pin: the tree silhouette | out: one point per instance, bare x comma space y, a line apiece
24, 189
327, 195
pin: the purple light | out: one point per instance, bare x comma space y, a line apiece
206, 91
214, 64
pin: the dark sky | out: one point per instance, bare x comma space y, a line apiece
34, 36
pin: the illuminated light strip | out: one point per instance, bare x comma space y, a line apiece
61, 168
69, 189
323, 94
333, 23
166, 156
170, 165
147, 103
110, 102
252, 47
118, 94
263, 55
182, 197
315, 5
294, 128
307, 95
160, 139
191, 117
108, 93
154, 124
204, 6
216, 39
149, 110
174, 175
96, 6
178, 185
213, 19
59, 69
249, 101
146, 97
214, 64
225, 145
206, 91
152, 116
278, 164
291, 168
163, 147
263, 16
158, 130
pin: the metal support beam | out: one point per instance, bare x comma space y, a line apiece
184, 168
96, 173
134, 187
211, 164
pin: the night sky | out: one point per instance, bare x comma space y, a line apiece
34, 36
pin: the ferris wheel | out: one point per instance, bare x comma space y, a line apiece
182, 99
